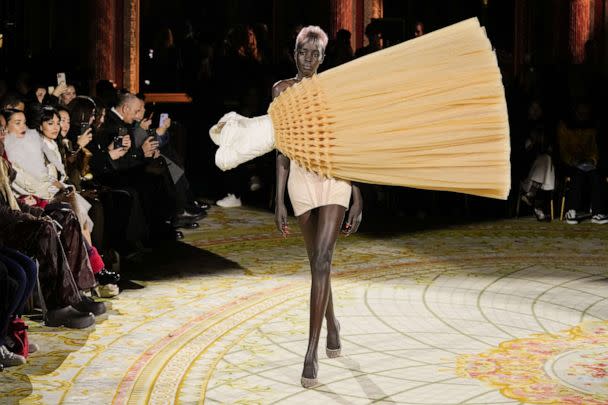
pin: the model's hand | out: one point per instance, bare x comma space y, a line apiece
355, 215
280, 219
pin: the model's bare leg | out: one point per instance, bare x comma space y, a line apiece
308, 224
329, 220
333, 327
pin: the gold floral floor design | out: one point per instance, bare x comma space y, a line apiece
502, 312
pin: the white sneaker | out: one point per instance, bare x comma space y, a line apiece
571, 217
600, 219
10, 359
540, 215
230, 201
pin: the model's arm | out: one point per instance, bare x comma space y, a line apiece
355, 214
280, 211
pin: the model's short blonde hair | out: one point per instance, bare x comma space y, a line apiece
313, 34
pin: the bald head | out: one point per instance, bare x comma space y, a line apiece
129, 106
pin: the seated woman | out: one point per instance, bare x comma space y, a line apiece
73, 141
126, 229
35, 185
75, 160
26, 229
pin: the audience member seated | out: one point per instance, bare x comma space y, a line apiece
39, 95
8, 299
12, 101
116, 162
577, 139
28, 230
67, 95
541, 177
49, 127
22, 273
190, 210
374, 40
125, 227
36, 185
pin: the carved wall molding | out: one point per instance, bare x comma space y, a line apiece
130, 71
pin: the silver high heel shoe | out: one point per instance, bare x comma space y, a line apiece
309, 382
333, 353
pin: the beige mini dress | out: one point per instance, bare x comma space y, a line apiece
308, 190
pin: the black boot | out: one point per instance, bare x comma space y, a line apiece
89, 305
69, 317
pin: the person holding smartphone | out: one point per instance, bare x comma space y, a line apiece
118, 163
188, 209
75, 154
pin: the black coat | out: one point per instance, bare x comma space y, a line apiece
101, 163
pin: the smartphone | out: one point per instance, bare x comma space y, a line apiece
84, 126
118, 138
162, 119
117, 142
61, 78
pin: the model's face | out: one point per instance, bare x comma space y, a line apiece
64, 123
16, 125
50, 129
308, 58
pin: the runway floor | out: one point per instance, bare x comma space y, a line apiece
501, 312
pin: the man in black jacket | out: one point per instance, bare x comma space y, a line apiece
117, 163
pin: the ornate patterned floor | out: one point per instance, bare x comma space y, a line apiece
502, 312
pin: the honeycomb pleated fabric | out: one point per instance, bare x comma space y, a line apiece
429, 113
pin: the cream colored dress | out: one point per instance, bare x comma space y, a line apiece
308, 190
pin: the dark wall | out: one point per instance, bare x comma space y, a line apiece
498, 17
45, 37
